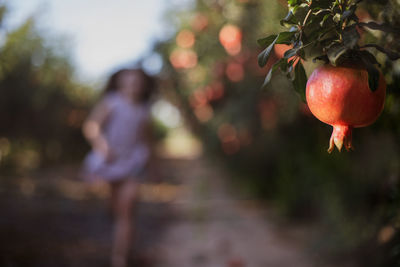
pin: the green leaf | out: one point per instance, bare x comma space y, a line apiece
373, 74
321, 57
263, 42
289, 20
368, 57
373, 78
300, 80
324, 20
281, 63
285, 37
350, 36
300, 11
320, 4
294, 29
301, 53
354, 17
312, 36
335, 52
326, 32
264, 55
348, 13
381, 27
290, 53
289, 69
282, 38
392, 55
325, 42
293, 2
283, 66
337, 17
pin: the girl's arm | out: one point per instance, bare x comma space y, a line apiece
92, 128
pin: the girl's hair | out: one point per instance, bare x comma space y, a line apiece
148, 86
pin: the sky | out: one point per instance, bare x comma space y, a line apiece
103, 34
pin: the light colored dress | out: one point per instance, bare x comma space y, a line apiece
123, 131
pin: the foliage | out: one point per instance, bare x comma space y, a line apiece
41, 106
268, 139
327, 30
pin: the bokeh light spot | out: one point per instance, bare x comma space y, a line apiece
185, 39
183, 59
235, 72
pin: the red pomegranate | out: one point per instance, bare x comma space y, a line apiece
341, 97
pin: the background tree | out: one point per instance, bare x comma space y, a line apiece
41, 105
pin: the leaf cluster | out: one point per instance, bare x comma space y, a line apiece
330, 27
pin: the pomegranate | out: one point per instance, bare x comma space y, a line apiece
341, 97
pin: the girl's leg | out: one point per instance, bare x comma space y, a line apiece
124, 196
113, 200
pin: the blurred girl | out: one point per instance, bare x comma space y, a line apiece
118, 130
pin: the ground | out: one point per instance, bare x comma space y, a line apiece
190, 217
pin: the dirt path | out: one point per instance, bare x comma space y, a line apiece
216, 229
189, 219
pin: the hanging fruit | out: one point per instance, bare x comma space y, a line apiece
348, 90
